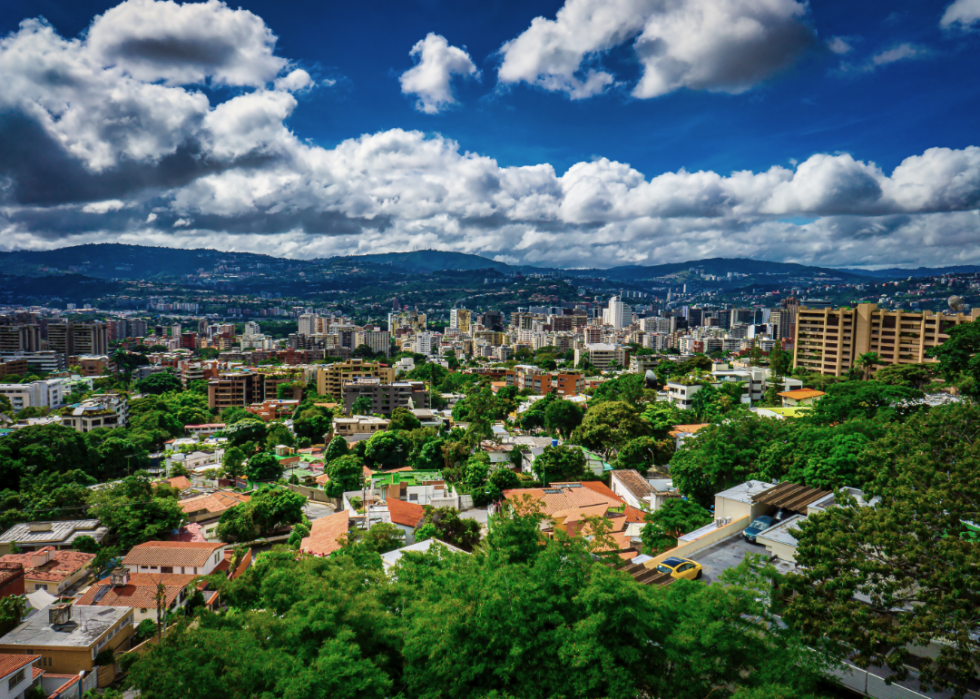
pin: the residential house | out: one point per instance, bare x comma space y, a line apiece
801, 397
184, 557
31, 536
101, 410
558, 497
358, 427
633, 488
18, 674
206, 510
51, 570
69, 638
406, 516
326, 534
138, 591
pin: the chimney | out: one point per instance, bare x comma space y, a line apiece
59, 614
39, 558
119, 577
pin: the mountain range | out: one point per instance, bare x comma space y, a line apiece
112, 260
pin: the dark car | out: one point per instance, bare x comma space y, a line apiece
759, 525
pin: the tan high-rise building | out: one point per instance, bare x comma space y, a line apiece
20, 338
330, 379
830, 340
460, 318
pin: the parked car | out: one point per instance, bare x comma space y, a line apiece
680, 568
759, 525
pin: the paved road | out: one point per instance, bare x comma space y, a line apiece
726, 554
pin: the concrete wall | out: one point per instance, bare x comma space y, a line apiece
686, 550
733, 509
315, 494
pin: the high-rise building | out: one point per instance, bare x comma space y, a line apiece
75, 339
307, 324
378, 341
615, 313
251, 328
330, 379
460, 318
20, 338
830, 340
493, 321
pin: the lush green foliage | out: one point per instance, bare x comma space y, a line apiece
561, 464
673, 519
137, 511
609, 426
263, 467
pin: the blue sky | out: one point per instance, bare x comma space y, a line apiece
878, 82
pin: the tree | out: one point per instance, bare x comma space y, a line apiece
6, 408
671, 520
644, 453
363, 352
11, 612
476, 470
629, 388
313, 424
380, 538
868, 361
607, 427
345, 473
780, 361
445, 524
250, 430
404, 419
916, 376
722, 456
563, 416
867, 399
387, 450
236, 525
901, 573
233, 462
361, 406
159, 383
562, 463
278, 434
959, 357
85, 544
662, 416
275, 508
263, 467
336, 449
135, 511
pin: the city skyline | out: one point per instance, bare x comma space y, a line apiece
576, 134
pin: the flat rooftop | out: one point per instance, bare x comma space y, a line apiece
87, 624
59, 532
746, 492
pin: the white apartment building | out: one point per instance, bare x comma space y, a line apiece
614, 315
101, 410
601, 355
251, 328
307, 324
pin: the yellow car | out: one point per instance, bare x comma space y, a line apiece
680, 568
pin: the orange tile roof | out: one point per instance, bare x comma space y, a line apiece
688, 429
70, 681
10, 663
172, 553
179, 482
326, 534
37, 673
214, 503
63, 564
323, 479
634, 515
408, 514
590, 493
802, 393
140, 593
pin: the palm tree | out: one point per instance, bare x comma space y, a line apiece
868, 361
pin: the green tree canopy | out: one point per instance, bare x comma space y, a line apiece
345, 474
561, 463
404, 419
336, 449
608, 426
159, 383
387, 450
671, 520
135, 511
263, 467
645, 453
563, 416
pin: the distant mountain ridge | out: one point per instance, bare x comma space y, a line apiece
116, 260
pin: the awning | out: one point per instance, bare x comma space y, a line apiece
790, 496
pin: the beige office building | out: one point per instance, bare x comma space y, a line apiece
829, 340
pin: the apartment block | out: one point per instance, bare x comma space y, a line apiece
384, 397
460, 318
100, 410
20, 338
331, 379
378, 341
830, 340
601, 355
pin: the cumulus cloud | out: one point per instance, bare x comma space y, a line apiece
436, 63
964, 14
182, 44
90, 152
719, 45
839, 45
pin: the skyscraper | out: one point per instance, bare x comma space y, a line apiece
615, 312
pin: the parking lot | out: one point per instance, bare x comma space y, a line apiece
726, 554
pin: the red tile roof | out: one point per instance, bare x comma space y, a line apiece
326, 534
70, 681
172, 553
215, 503
560, 496
189, 532
63, 564
179, 482
10, 663
634, 515
408, 514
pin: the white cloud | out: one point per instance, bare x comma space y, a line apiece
965, 13
297, 80
184, 44
839, 45
102, 207
232, 176
902, 52
429, 80
721, 45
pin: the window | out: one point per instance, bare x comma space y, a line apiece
16, 680
40, 586
166, 569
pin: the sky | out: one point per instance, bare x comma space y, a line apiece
583, 133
